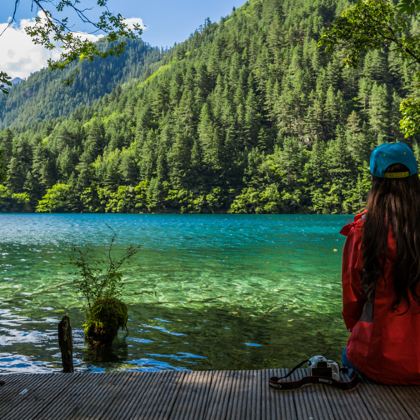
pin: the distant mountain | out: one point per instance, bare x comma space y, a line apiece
248, 115
17, 81
49, 94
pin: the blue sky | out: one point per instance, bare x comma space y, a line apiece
167, 21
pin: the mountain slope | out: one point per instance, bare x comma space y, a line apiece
248, 115
49, 94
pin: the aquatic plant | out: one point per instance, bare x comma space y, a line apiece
104, 318
100, 281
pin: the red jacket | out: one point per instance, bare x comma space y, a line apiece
384, 344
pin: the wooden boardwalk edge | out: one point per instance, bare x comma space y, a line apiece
195, 395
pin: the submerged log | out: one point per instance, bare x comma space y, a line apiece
66, 344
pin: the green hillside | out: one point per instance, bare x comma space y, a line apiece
248, 115
50, 94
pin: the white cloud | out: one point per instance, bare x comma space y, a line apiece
134, 21
89, 37
19, 57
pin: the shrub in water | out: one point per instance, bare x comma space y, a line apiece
104, 318
101, 284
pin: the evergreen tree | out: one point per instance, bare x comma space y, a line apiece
247, 115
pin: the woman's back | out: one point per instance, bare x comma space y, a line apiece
381, 271
384, 342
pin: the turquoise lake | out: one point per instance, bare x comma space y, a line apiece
204, 291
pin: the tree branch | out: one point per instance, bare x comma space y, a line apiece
12, 19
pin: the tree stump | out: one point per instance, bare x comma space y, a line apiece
66, 344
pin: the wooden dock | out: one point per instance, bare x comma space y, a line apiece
195, 395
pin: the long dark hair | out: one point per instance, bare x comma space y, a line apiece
393, 204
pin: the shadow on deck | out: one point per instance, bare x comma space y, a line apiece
195, 395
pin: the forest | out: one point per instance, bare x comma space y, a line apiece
249, 115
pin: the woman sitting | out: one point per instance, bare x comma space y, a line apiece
381, 272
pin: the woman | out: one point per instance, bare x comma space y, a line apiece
381, 272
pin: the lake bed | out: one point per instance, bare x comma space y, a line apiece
204, 291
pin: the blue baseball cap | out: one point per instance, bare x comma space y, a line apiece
388, 154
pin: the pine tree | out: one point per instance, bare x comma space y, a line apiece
379, 112
247, 115
19, 166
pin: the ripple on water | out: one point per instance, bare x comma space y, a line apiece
203, 292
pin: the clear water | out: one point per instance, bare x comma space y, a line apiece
204, 292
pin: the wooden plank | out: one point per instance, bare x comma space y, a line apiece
256, 396
276, 404
347, 404
76, 397
130, 390
89, 396
192, 398
203, 399
219, 395
381, 402
17, 388
61, 406
312, 403
242, 402
196, 395
26, 405
136, 390
101, 396
409, 397
238, 395
158, 397
162, 406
